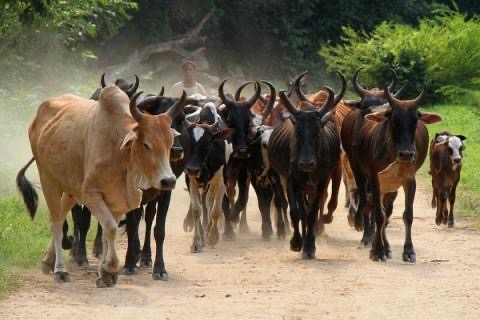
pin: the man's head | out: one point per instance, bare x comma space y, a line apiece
188, 69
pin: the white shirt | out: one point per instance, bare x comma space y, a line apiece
178, 87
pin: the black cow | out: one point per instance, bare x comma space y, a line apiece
305, 151
206, 154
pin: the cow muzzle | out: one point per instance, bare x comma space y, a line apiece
406, 155
168, 183
176, 153
306, 166
241, 153
192, 172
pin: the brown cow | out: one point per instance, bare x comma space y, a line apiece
385, 149
445, 167
100, 154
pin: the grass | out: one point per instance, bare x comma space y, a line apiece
22, 241
465, 120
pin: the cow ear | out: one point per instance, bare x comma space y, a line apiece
223, 134
462, 138
175, 133
376, 117
326, 117
429, 118
131, 136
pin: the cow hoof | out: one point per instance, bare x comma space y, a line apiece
366, 240
378, 254
196, 248
327, 218
163, 276
67, 243
308, 254
107, 279
61, 276
409, 256
296, 244
81, 260
229, 236
351, 220
444, 220
130, 271
146, 262
188, 224
281, 234
47, 268
451, 224
388, 253
213, 238
243, 228
438, 221
358, 222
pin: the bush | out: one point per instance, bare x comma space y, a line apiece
442, 54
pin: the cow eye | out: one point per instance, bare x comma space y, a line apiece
146, 146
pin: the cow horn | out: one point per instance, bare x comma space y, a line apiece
271, 102
394, 102
130, 91
102, 81
288, 104
174, 110
340, 95
162, 91
254, 98
298, 90
329, 103
221, 93
358, 88
394, 80
136, 114
213, 128
239, 90
399, 92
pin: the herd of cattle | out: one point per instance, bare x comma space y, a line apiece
118, 155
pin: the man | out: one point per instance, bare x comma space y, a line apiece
188, 84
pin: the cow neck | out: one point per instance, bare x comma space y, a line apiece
382, 142
133, 180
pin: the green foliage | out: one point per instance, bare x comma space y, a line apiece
22, 242
442, 53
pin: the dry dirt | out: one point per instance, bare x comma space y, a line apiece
253, 279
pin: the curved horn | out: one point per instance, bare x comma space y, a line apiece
340, 95
214, 127
394, 80
221, 94
358, 88
162, 91
102, 81
239, 90
254, 98
136, 114
298, 90
394, 102
399, 92
329, 104
271, 102
288, 104
173, 111
130, 91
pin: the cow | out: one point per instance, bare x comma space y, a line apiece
157, 202
81, 214
206, 153
100, 154
305, 151
385, 148
445, 167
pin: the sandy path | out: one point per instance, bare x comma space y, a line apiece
252, 279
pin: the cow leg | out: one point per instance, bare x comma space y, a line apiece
108, 268
296, 242
67, 241
309, 240
278, 198
241, 204
264, 196
408, 250
150, 210
130, 267
159, 271
451, 200
320, 224
81, 222
362, 192
214, 198
388, 200
228, 233
377, 252
188, 221
98, 242
441, 206
332, 204
196, 202
434, 195
205, 213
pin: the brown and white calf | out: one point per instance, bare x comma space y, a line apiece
445, 167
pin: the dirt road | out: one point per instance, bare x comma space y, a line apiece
252, 279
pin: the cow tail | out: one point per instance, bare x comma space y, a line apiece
30, 196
